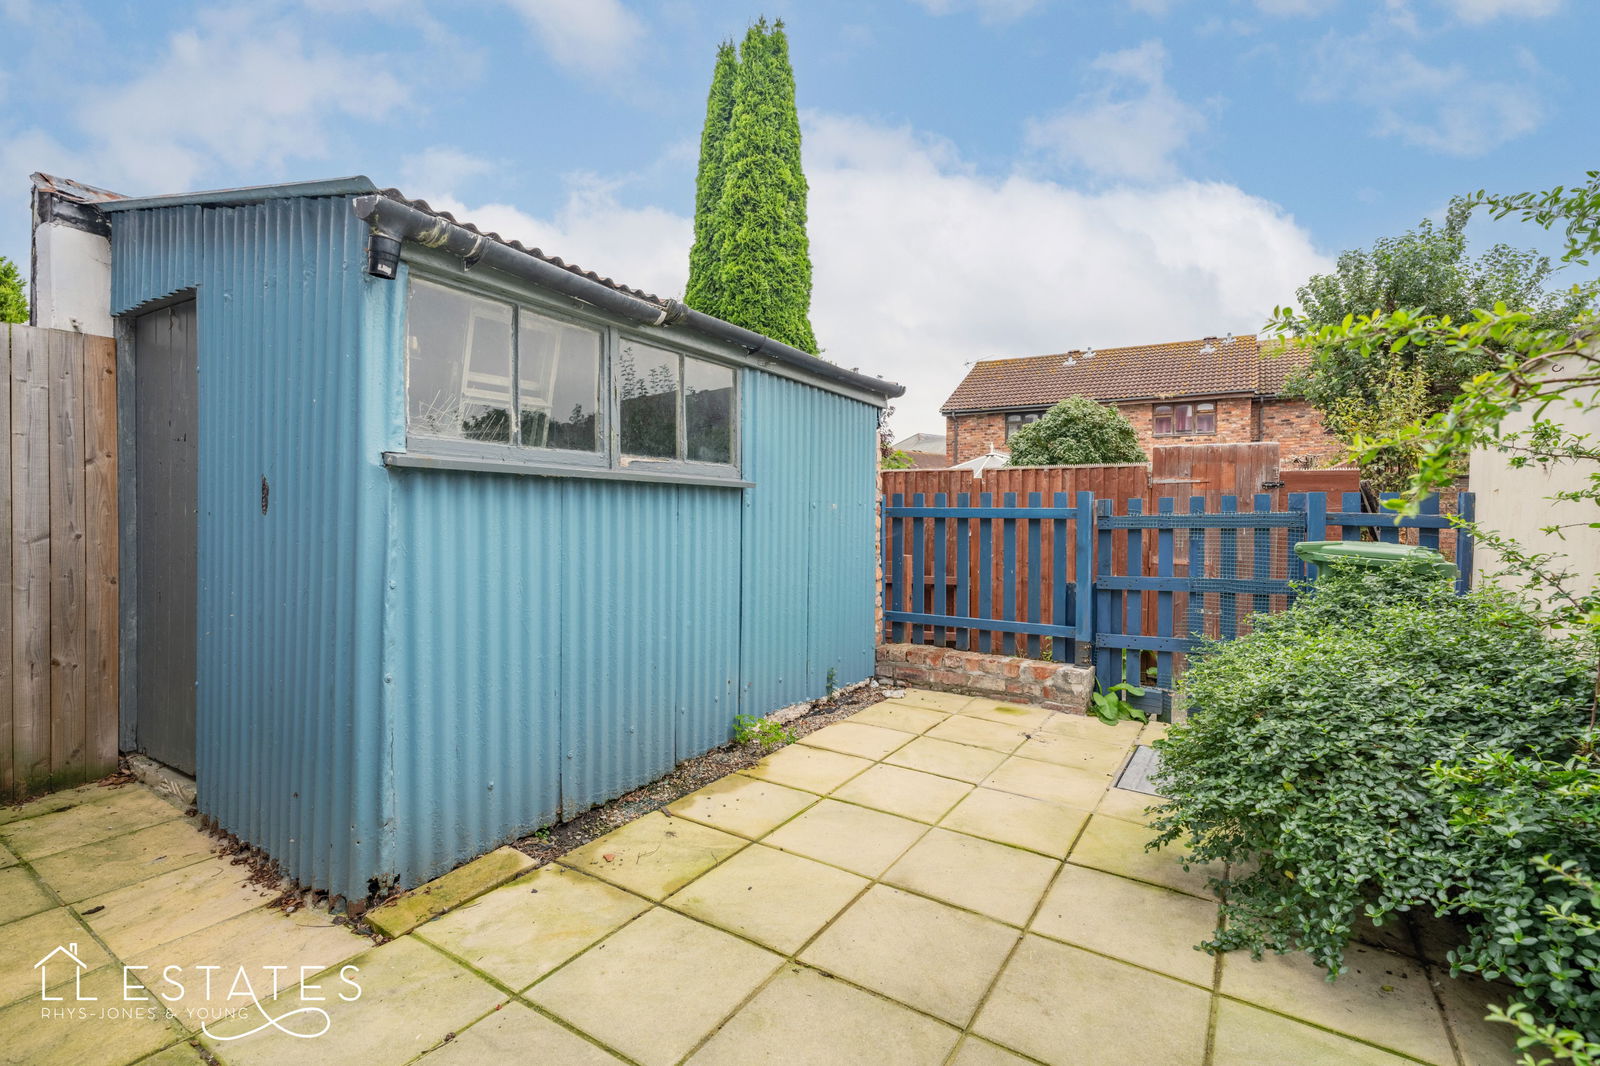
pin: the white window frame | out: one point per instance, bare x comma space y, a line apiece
428, 451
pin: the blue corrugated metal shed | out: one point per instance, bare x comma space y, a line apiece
401, 666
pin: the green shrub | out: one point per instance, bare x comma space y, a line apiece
1076, 431
1308, 762
1525, 844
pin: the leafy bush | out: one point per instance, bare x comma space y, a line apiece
1077, 431
1307, 764
1525, 838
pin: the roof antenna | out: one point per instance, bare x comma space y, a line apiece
1088, 353
1208, 348
1070, 361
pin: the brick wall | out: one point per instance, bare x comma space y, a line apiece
1298, 429
1294, 424
1057, 686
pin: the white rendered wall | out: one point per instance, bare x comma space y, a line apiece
72, 280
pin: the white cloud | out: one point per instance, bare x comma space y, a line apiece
1455, 109
589, 36
1129, 127
234, 91
442, 171
1287, 8
1485, 10
990, 11
922, 264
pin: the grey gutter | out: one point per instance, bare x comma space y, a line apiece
392, 220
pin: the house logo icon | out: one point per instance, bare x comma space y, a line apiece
43, 966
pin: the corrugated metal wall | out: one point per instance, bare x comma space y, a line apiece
290, 754
400, 669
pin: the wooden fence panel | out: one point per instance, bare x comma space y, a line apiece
58, 518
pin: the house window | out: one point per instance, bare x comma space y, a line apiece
1182, 419
1016, 422
465, 350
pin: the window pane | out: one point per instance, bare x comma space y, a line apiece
558, 372
1163, 420
1205, 418
458, 364
647, 387
1184, 413
1013, 423
708, 411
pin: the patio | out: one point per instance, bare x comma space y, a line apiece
937, 880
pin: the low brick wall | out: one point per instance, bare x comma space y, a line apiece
1058, 686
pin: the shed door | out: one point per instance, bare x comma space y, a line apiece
166, 466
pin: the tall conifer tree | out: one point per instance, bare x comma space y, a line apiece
757, 256
701, 292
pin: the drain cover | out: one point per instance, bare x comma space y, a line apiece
1135, 776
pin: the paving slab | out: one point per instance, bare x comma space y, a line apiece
854, 838
108, 864
138, 917
1080, 753
805, 1018
115, 813
1247, 1036
770, 896
655, 855
6, 858
1152, 927
947, 759
467, 881
82, 1035
976, 1052
1118, 847
657, 987
267, 947
856, 738
917, 951
1128, 805
962, 729
937, 701
21, 895
901, 716
992, 879
1021, 821
1466, 1002
183, 1054
1067, 1007
908, 793
1014, 714
30, 940
1088, 727
1382, 998
61, 801
1049, 782
743, 805
519, 933
517, 1035
811, 769
411, 997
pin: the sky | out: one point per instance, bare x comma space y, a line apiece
988, 178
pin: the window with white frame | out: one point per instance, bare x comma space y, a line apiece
464, 351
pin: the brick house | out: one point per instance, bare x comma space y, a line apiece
1208, 391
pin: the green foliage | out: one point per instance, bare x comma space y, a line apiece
763, 731
13, 301
1425, 271
894, 459
1403, 398
1077, 431
701, 292
833, 681
751, 264
1110, 706
1524, 833
1567, 1045
1307, 762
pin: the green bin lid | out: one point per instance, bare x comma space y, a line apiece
1371, 553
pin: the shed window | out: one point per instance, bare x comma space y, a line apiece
493, 380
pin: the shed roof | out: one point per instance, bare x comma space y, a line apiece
1147, 371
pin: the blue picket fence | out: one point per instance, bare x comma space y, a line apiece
1138, 590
